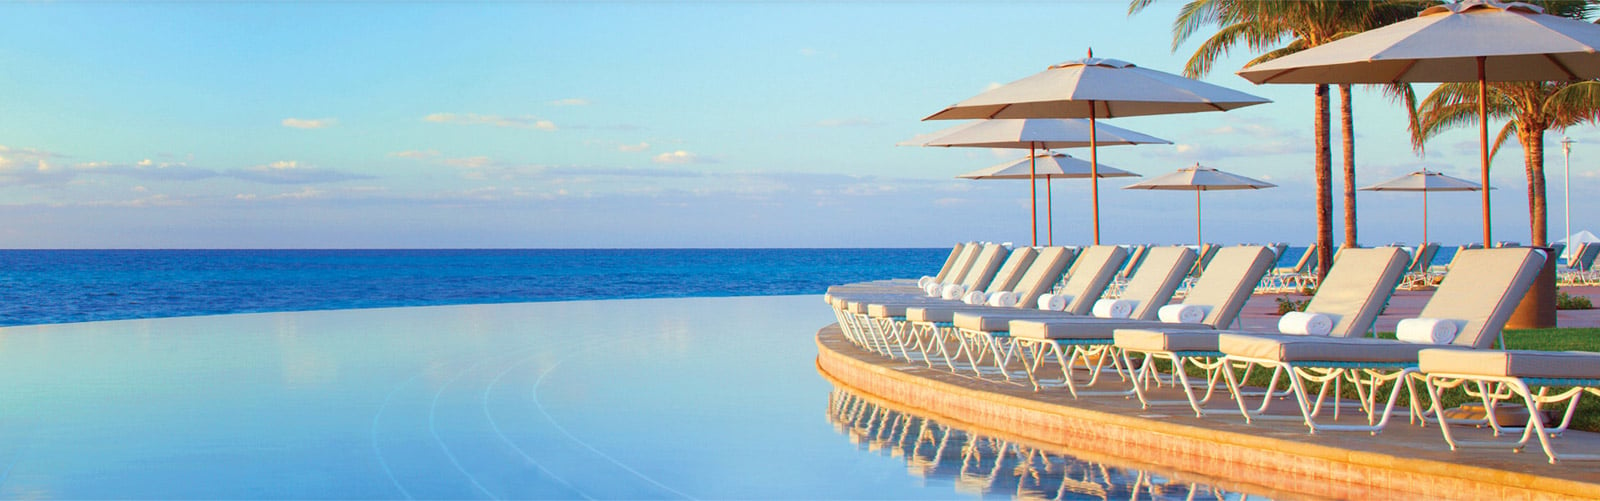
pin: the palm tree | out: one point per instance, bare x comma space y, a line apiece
1261, 25
1530, 109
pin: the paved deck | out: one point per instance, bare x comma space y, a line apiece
1273, 458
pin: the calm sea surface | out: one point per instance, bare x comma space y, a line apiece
59, 286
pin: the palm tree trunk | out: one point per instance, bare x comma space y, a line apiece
1324, 177
1348, 128
1533, 159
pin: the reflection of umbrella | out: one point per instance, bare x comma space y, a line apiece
1198, 179
1425, 181
1038, 133
1471, 41
1097, 88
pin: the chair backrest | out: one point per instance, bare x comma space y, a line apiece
1357, 287
950, 262
1011, 270
1304, 265
1228, 281
963, 263
1046, 269
984, 266
1207, 251
1586, 256
1090, 275
1557, 250
1277, 249
1482, 288
1459, 249
1135, 256
1424, 258
1158, 277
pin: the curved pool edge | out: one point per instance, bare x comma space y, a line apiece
1292, 466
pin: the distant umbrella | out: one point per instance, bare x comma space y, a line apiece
1425, 181
1198, 179
1095, 88
1035, 134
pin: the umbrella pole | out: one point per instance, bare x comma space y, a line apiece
1197, 239
1050, 209
1094, 173
1483, 145
1033, 194
1424, 220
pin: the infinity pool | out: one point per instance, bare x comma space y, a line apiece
658, 398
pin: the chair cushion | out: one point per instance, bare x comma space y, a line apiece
1292, 348
999, 320
1516, 363
1163, 340
1085, 328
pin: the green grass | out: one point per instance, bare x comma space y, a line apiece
1570, 339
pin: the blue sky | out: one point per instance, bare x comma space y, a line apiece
370, 124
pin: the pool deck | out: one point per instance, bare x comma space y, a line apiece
1279, 457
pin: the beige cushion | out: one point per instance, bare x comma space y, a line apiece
1042, 274
886, 310
1228, 281
1357, 287
1482, 288
1163, 340
1291, 348
950, 262
984, 267
1543, 364
1011, 270
1090, 275
1158, 277
963, 263
999, 319
938, 313
1083, 327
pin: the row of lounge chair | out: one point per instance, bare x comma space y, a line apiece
1082, 333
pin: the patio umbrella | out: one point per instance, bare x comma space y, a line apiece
1035, 134
1198, 179
1095, 88
1470, 41
1048, 165
1425, 181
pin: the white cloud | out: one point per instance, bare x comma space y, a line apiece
520, 122
469, 162
633, 148
992, 86
571, 101
309, 123
678, 157
415, 154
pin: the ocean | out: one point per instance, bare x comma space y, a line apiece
60, 286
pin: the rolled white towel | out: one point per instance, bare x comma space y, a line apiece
1299, 322
1114, 308
922, 283
1183, 313
953, 291
1054, 302
1426, 330
974, 297
933, 289
1003, 299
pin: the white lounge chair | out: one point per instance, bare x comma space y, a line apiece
1506, 375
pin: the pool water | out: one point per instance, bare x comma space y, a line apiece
650, 398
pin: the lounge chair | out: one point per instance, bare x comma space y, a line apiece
1514, 374
929, 325
1475, 298
981, 270
1350, 298
1214, 302
855, 329
1578, 271
886, 318
1136, 256
1088, 277
1151, 287
1291, 278
1418, 276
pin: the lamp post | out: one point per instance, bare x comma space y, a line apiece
1566, 189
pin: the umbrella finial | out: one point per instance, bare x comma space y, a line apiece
1091, 53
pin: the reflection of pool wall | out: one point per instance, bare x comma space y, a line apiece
985, 463
1305, 469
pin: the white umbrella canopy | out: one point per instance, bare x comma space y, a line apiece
1046, 164
1035, 134
1581, 237
1425, 181
1097, 88
1469, 41
1198, 179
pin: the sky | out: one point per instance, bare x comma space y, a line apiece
642, 124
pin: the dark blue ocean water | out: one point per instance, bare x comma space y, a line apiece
57, 286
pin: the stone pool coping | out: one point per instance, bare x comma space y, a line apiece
1277, 457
